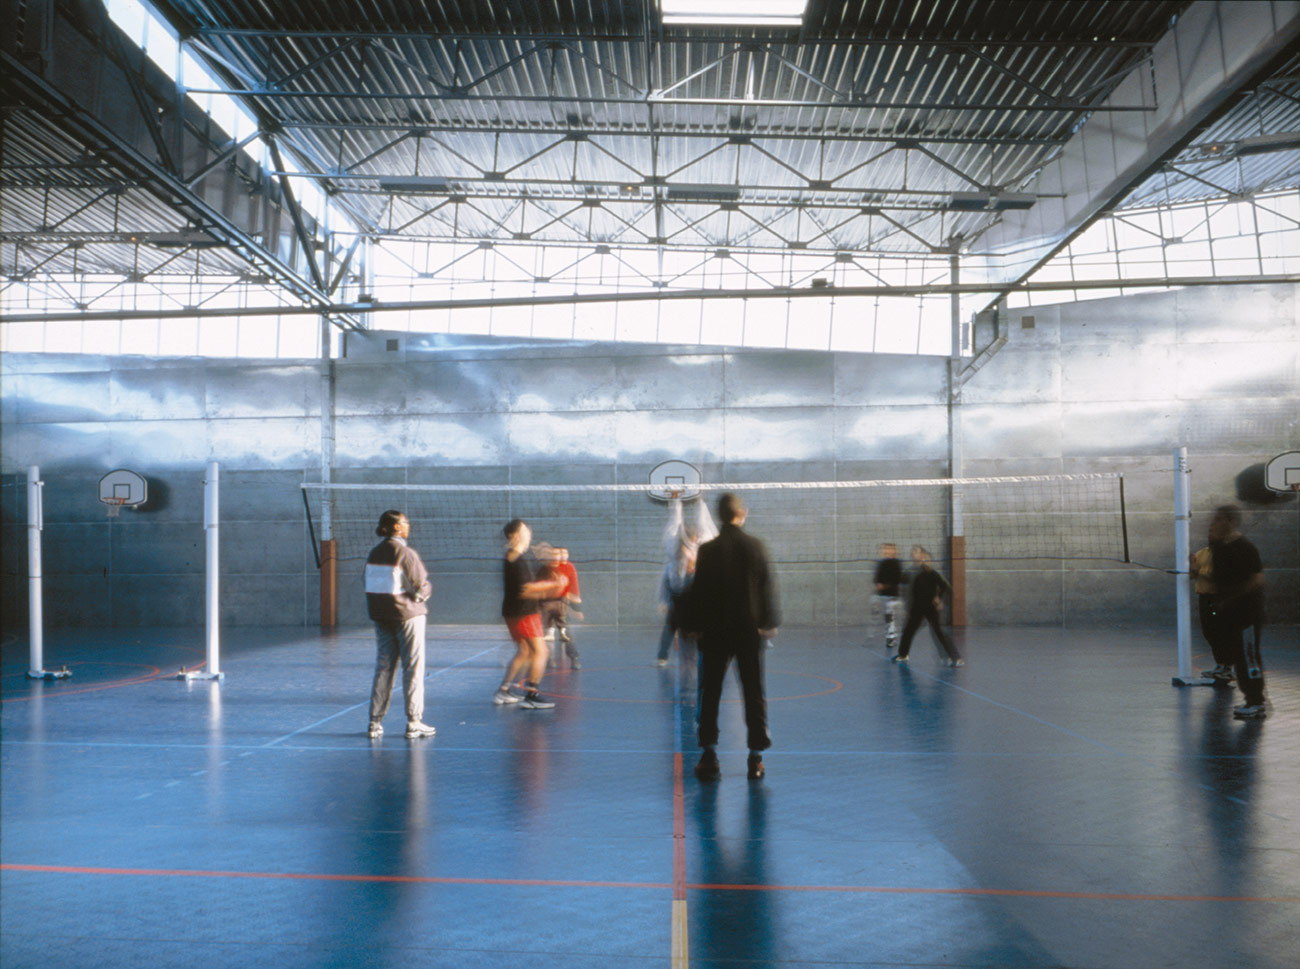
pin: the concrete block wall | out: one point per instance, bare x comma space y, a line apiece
1102, 385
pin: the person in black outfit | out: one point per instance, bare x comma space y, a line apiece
731, 607
1239, 606
928, 588
888, 579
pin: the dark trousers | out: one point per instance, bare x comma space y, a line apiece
715, 657
1212, 629
930, 613
1247, 663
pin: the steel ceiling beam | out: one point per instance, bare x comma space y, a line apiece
661, 295
35, 92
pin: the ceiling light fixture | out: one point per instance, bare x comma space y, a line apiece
739, 13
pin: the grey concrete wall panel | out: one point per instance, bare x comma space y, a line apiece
442, 387
58, 447
647, 437
271, 442
246, 602
497, 411
158, 599
784, 433
777, 378
255, 496
1143, 598
891, 434
391, 441
577, 384
1129, 372
1257, 427
75, 601
74, 548
1237, 369
149, 548
376, 390
1119, 427
575, 438
685, 381
260, 392
1237, 314
1018, 375
874, 379
999, 599
266, 547
164, 394
994, 430
52, 398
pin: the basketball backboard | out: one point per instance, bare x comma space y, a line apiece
674, 478
123, 487
1283, 472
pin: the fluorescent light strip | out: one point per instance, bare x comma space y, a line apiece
741, 13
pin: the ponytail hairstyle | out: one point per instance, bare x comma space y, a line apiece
388, 523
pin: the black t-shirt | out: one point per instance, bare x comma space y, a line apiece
517, 574
926, 585
1235, 564
889, 573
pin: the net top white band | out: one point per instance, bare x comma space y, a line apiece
729, 486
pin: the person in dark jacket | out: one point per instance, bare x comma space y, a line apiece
888, 580
731, 608
397, 588
928, 588
1238, 605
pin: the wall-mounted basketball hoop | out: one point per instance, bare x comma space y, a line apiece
674, 479
122, 489
1283, 472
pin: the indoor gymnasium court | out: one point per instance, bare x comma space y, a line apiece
301, 305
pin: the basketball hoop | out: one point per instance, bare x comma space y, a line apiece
114, 505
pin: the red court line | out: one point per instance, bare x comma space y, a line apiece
312, 876
576, 883
109, 685
1013, 892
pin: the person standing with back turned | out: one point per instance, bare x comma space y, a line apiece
731, 606
397, 588
1238, 604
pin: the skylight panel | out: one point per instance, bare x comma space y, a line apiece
736, 13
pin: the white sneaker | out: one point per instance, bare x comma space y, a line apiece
1256, 711
376, 729
504, 696
957, 662
415, 729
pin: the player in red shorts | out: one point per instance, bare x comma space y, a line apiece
557, 611
521, 610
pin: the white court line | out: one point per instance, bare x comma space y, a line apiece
358, 706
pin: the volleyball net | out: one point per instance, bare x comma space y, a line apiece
1074, 517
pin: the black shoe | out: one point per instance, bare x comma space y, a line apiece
574, 662
707, 769
756, 768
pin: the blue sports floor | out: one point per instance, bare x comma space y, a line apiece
1056, 803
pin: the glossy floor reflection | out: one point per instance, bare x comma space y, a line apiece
1055, 803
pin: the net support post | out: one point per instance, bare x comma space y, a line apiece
212, 531
1182, 552
329, 583
35, 583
